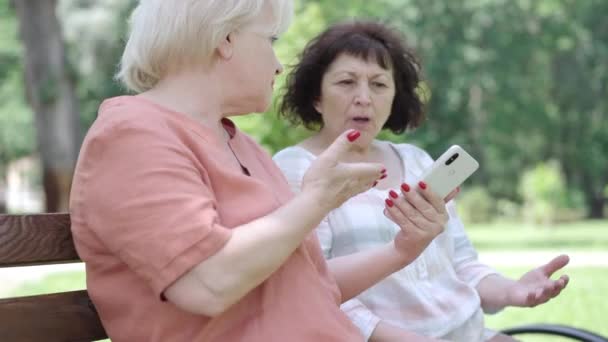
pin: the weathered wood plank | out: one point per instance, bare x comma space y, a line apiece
37, 239
68, 316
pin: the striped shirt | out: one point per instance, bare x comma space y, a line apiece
434, 295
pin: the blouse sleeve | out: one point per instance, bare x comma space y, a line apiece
465, 260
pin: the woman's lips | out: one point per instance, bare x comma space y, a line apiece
361, 122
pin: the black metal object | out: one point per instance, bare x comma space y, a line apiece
573, 333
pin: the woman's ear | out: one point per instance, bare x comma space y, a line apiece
226, 47
316, 105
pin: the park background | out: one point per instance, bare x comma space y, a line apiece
521, 84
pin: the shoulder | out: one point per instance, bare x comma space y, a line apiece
127, 114
127, 134
414, 154
127, 119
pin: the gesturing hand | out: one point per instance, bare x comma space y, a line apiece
536, 287
337, 181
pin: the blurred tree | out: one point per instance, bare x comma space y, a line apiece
94, 32
519, 82
490, 69
579, 94
16, 128
50, 92
16, 124
516, 82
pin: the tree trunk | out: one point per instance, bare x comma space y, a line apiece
594, 197
3, 208
595, 207
51, 95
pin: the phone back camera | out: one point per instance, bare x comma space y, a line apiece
451, 159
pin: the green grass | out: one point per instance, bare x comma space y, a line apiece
57, 282
582, 304
583, 235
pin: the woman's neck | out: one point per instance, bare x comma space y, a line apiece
193, 95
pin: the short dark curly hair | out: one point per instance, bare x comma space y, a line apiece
362, 39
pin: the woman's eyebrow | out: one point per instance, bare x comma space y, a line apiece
339, 73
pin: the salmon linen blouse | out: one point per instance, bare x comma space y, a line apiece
152, 198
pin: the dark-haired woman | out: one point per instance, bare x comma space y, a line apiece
360, 75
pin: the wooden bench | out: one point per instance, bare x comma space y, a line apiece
44, 239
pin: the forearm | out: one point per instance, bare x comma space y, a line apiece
493, 292
254, 251
357, 272
385, 332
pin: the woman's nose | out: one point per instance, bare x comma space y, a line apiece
362, 96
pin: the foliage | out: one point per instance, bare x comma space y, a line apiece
16, 121
94, 32
475, 205
516, 82
545, 195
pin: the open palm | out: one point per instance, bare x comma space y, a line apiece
536, 286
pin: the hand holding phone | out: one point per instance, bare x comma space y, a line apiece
450, 170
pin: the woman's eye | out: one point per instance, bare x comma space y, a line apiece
379, 84
346, 82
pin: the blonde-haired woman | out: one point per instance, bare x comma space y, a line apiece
188, 230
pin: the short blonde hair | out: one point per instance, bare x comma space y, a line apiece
167, 33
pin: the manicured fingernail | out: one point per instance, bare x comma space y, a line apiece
352, 136
422, 185
383, 176
393, 194
383, 171
405, 187
375, 183
389, 202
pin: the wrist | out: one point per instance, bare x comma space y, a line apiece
316, 201
496, 293
404, 251
397, 257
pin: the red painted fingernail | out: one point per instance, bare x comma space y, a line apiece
352, 136
389, 202
375, 183
383, 171
405, 187
422, 185
383, 176
393, 194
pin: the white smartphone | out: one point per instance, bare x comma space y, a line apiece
450, 170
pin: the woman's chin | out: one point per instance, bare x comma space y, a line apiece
368, 133
264, 105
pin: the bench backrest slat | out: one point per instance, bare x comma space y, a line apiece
39, 239
44, 239
67, 316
